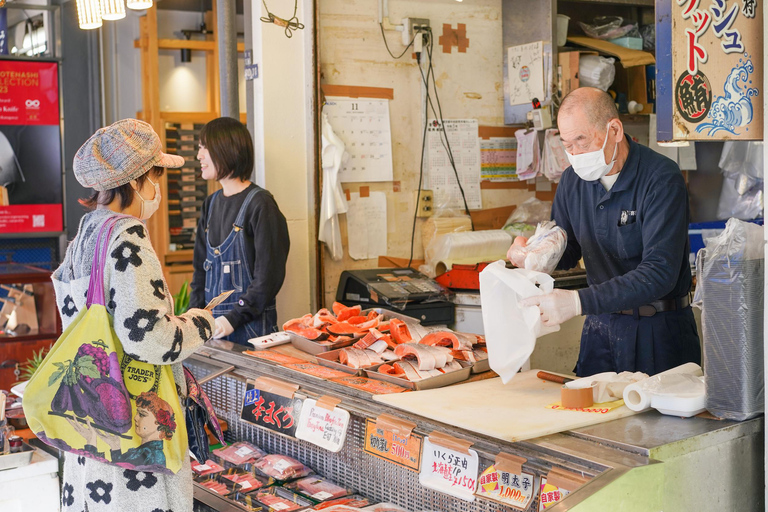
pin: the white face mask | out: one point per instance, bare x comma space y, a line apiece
149, 206
592, 166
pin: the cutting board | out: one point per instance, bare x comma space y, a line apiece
513, 412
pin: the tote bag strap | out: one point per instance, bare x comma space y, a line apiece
96, 293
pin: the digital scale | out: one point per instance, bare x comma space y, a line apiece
399, 289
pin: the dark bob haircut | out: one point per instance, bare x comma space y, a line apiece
126, 192
231, 148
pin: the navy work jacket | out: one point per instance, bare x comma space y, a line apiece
634, 238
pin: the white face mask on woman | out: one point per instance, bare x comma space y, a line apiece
592, 166
149, 206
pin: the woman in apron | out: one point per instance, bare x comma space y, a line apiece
242, 238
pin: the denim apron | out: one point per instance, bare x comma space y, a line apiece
227, 268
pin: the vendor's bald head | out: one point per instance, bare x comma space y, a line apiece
592, 105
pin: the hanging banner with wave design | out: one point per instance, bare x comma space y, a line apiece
717, 69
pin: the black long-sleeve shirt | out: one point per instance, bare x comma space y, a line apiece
634, 238
267, 245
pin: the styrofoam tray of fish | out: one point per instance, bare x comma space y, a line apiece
439, 381
318, 347
15, 460
330, 359
389, 315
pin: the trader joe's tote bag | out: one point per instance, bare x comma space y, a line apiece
90, 398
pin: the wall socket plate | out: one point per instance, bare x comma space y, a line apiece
411, 26
425, 207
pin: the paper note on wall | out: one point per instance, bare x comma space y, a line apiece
367, 226
464, 144
525, 67
363, 125
497, 159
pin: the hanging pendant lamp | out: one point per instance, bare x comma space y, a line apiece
89, 14
138, 5
112, 9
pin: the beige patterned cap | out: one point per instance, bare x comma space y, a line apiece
120, 153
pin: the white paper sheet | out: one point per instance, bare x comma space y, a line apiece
367, 225
687, 157
527, 154
465, 147
363, 125
525, 66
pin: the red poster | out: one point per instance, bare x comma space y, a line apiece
31, 193
29, 93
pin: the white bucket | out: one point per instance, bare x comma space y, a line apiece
562, 29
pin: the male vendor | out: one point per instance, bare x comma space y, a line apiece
625, 210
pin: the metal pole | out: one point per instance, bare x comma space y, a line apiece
226, 36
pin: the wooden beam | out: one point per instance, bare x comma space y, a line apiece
184, 44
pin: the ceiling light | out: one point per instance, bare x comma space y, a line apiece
89, 14
138, 5
674, 144
112, 9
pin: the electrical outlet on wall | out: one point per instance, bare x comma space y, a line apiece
425, 207
411, 26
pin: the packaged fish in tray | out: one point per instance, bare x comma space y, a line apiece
247, 480
282, 467
248, 501
279, 499
240, 452
221, 487
318, 488
209, 467
354, 501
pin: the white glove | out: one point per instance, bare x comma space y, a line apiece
517, 253
223, 327
556, 307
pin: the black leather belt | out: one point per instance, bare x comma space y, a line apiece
659, 306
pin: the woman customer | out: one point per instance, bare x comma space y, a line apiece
242, 238
122, 163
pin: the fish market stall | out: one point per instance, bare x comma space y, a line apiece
480, 445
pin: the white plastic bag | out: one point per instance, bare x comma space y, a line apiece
333, 201
543, 250
596, 71
554, 158
511, 331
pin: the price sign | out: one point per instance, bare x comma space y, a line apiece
270, 409
449, 470
550, 494
558, 484
515, 489
402, 448
321, 426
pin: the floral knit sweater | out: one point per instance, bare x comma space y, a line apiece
141, 305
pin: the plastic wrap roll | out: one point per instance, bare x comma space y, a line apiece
469, 247
637, 396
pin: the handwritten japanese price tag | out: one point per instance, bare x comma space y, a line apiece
449, 471
402, 450
270, 410
550, 494
324, 428
509, 488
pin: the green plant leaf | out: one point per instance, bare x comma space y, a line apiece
56, 376
181, 300
87, 368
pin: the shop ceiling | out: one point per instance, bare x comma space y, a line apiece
193, 5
